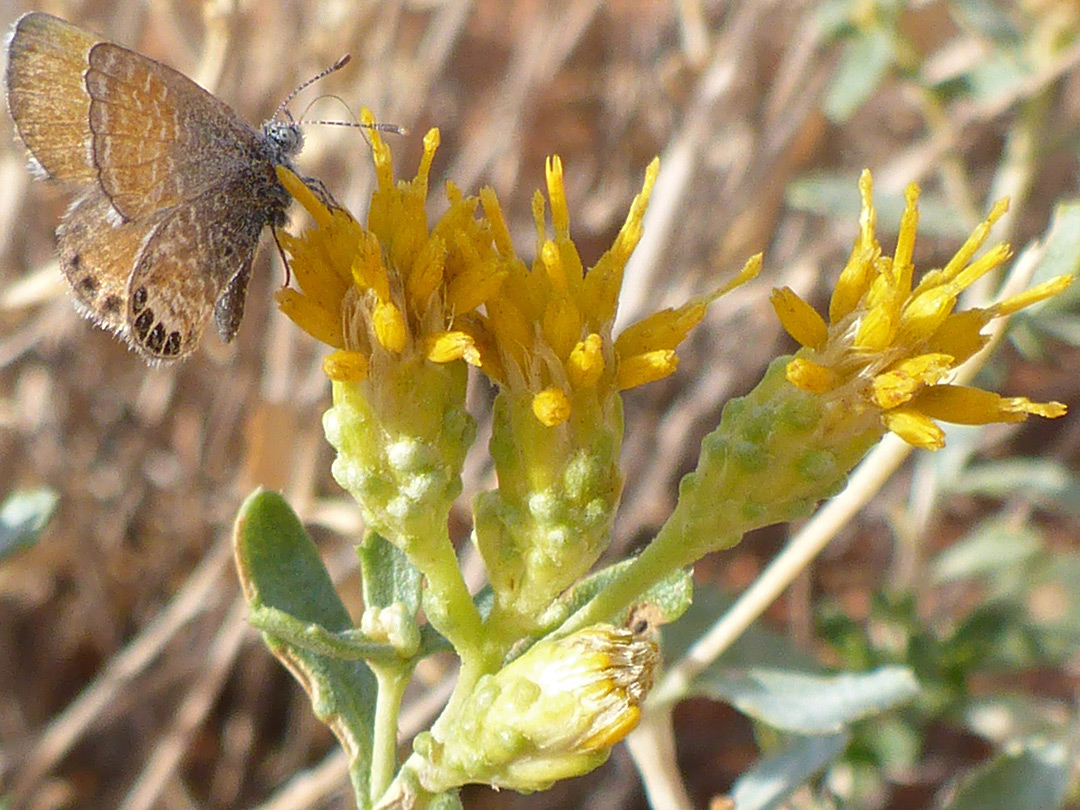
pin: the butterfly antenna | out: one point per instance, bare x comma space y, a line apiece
395, 129
338, 65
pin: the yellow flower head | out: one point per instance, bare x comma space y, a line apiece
889, 346
395, 288
548, 331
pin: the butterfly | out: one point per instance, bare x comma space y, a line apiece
173, 188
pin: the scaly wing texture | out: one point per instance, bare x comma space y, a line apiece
48, 102
200, 255
97, 257
158, 138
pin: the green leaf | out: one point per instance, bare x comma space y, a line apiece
770, 781
810, 704
995, 547
671, 596
1034, 776
866, 60
1043, 482
450, 800
758, 646
279, 567
389, 577
23, 515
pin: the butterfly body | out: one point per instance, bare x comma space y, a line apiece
173, 189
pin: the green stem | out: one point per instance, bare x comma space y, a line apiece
447, 602
469, 674
346, 645
668, 552
392, 681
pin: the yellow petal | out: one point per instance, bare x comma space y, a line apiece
305, 196
368, 270
665, 329
960, 334
600, 290
798, 318
426, 275
811, 376
914, 428
959, 261
900, 383
479, 283
319, 322
1040, 292
390, 328
445, 347
905, 240
973, 406
876, 330
561, 326
345, 366
645, 368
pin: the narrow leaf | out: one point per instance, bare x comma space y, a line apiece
771, 780
810, 704
279, 567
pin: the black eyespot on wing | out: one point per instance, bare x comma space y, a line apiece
156, 339
172, 344
143, 323
112, 305
138, 299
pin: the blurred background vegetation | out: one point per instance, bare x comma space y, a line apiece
128, 677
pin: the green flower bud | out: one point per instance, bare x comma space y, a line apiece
553, 713
551, 517
401, 437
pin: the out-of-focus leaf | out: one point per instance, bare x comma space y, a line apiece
770, 781
1061, 246
1034, 776
23, 515
1054, 603
996, 75
1047, 483
836, 196
867, 57
994, 547
1065, 328
757, 647
1001, 718
810, 704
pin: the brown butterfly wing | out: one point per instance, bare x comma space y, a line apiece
159, 139
46, 97
97, 257
197, 261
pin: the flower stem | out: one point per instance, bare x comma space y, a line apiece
666, 553
392, 680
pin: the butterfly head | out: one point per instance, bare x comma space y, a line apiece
285, 138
